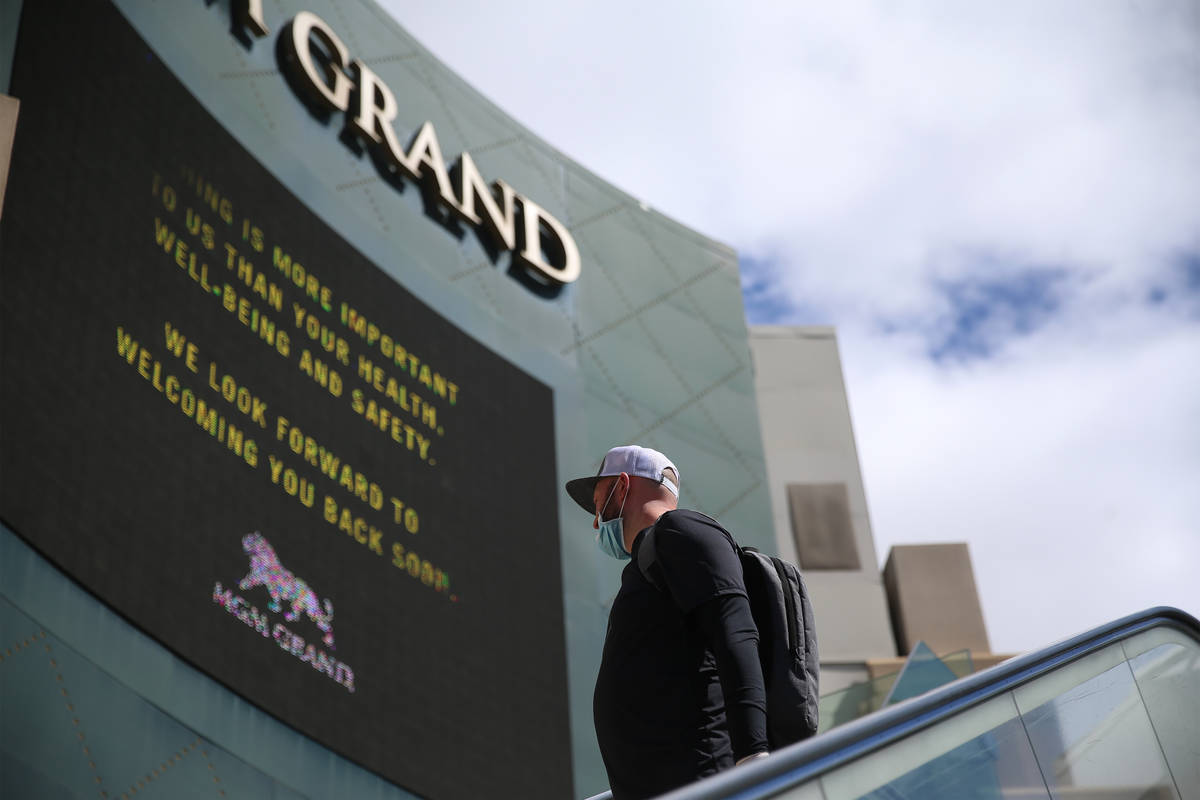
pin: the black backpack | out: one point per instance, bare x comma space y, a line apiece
787, 638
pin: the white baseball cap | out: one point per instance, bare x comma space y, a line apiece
632, 460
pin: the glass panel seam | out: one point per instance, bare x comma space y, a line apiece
1032, 749
1150, 718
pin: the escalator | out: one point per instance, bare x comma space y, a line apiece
1111, 714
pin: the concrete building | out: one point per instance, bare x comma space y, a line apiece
817, 495
868, 621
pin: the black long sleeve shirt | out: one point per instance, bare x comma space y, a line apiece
680, 692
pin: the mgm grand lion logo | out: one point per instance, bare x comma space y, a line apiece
284, 587
295, 599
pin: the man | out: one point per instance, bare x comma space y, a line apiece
680, 691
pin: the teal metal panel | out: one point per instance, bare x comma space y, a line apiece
10, 14
93, 708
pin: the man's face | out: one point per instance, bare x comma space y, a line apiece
603, 493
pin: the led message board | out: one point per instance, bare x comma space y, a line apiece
233, 428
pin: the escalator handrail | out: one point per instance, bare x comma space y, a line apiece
803, 761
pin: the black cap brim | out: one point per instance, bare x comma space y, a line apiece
582, 491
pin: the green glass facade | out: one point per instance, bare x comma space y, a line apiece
649, 345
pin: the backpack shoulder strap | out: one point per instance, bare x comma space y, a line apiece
647, 555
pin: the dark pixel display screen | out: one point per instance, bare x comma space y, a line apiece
250, 441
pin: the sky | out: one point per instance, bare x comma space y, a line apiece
996, 204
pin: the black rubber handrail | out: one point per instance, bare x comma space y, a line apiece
804, 761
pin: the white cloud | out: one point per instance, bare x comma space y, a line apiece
1068, 468
869, 155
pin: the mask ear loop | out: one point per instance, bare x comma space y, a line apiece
611, 492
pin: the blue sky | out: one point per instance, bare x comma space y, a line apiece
998, 206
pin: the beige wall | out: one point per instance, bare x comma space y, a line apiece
8, 130
808, 437
932, 595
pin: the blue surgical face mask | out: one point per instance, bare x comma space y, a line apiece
610, 535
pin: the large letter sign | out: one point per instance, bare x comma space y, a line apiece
323, 72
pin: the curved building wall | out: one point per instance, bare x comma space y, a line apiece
394, 570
